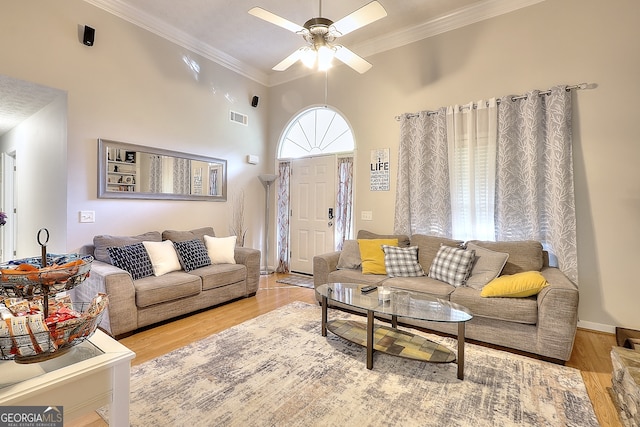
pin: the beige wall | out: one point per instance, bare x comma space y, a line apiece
132, 86
554, 42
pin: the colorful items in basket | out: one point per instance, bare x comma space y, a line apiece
25, 278
25, 332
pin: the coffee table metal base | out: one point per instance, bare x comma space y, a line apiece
391, 340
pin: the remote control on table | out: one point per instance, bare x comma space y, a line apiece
368, 289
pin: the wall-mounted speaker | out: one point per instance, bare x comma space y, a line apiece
254, 101
89, 35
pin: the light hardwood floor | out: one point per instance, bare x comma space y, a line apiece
590, 353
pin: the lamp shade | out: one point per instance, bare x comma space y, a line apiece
267, 178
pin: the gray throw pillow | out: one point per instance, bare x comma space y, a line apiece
349, 256
402, 262
524, 255
487, 266
452, 265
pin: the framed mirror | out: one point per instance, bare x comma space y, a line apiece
128, 171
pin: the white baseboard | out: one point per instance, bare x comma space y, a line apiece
600, 327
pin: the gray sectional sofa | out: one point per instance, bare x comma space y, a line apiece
543, 324
137, 303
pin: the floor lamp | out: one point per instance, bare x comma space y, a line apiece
267, 180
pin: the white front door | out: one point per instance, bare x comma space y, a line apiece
313, 194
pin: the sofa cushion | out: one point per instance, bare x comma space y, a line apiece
487, 266
215, 276
402, 262
349, 255
403, 239
373, 256
163, 257
221, 250
423, 284
526, 255
181, 236
104, 241
354, 276
452, 265
517, 285
519, 310
169, 287
428, 247
132, 258
192, 254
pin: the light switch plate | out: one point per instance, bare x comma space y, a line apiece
366, 216
87, 216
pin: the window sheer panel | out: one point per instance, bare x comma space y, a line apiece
471, 140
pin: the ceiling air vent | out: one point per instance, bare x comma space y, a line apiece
238, 118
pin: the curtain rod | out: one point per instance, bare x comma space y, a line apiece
513, 98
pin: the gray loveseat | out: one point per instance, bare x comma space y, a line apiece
543, 324
152, 299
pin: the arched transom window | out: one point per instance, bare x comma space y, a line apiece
317, 130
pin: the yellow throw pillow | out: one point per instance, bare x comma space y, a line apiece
515, 285
372, 254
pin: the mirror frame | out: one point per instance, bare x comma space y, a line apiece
104, 193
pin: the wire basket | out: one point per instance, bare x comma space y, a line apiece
39, 339
25, 278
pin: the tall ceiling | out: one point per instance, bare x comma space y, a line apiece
224, 32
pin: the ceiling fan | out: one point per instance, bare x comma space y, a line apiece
321, 35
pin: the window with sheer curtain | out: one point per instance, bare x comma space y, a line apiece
445, 183
471, 144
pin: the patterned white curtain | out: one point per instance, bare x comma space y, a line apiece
471, 140
181, 176
344, 204
213, 182
423, 204
282, 221
155, 174
534, 188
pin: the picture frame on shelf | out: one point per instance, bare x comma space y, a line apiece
130, 156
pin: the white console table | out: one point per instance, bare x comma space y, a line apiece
88, 376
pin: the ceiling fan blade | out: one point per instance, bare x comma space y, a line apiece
289, 60
367, 14
259, 12
352, 60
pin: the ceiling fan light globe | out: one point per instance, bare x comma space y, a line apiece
325, 57
308, 57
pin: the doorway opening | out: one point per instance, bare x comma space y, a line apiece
315, 187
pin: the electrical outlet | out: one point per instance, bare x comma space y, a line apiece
366, 216
87, 216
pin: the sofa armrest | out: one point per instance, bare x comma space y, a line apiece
250, 258
557, 313
121, 315
323, 265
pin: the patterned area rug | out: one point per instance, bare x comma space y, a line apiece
297, 280
277, 370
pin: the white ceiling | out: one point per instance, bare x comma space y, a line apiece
224, 32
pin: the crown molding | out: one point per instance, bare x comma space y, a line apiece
168, 32
457, 19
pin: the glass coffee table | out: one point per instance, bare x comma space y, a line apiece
394, 303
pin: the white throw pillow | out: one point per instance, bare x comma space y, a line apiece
221, 249
164, 258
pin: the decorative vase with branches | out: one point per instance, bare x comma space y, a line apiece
237, 219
